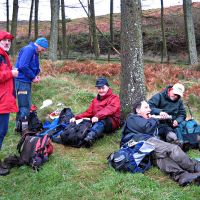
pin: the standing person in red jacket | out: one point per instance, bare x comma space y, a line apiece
7, 95
104, 112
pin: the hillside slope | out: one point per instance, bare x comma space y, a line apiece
77, 30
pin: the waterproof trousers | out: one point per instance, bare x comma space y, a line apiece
171, 159
4, 120
98, 129
23, 92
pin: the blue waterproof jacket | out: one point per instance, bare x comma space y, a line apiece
28, 63
138, 128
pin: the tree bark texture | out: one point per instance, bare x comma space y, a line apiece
14, 25
89, 25
7, 16
164, 42
65, 49
190, 32
30, 19
132, 73
54, 30
111, 29
36, 18
94, 33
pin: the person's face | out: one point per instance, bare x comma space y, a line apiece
102, 90
173, 96
5, 44
145, 110
40, 49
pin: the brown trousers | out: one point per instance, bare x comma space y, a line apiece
171, 159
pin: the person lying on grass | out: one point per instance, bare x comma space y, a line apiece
170, 158
104, 112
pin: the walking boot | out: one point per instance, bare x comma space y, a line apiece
186, 146
197, 167
4, 171
89, 140
188, 178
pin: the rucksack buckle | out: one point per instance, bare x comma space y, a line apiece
131, 143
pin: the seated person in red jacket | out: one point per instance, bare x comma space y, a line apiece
104, 112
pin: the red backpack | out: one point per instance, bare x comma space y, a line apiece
34, 150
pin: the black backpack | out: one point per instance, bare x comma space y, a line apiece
32, 123
65, 115
74, 134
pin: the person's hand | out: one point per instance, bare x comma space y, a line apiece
175, 123
15, 72
36, 79
95, 119
72, 120
164, 115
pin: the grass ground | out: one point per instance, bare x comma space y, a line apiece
82, 173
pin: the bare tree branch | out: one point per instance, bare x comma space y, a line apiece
107, 40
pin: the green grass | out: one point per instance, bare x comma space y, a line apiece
80, 173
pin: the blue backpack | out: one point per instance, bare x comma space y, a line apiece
133, 157
187, 131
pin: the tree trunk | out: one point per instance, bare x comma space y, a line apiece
132, 74
190, 33
30, 19
111, 29
94, 33
14, 25
65, 49
90, 29
164, 42
36, 18
54, 30
7, 15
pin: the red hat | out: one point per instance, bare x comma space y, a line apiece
6, 35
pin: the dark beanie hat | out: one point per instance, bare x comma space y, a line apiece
100, 82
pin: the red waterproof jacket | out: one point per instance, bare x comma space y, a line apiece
7, 95
103, 107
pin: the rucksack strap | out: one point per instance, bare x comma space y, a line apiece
85, 124
145, 164
20, 143
43, 143
54, 131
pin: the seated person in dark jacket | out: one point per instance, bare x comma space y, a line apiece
169, 103
169, 157
104, 112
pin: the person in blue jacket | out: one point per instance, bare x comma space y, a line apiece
29, 68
